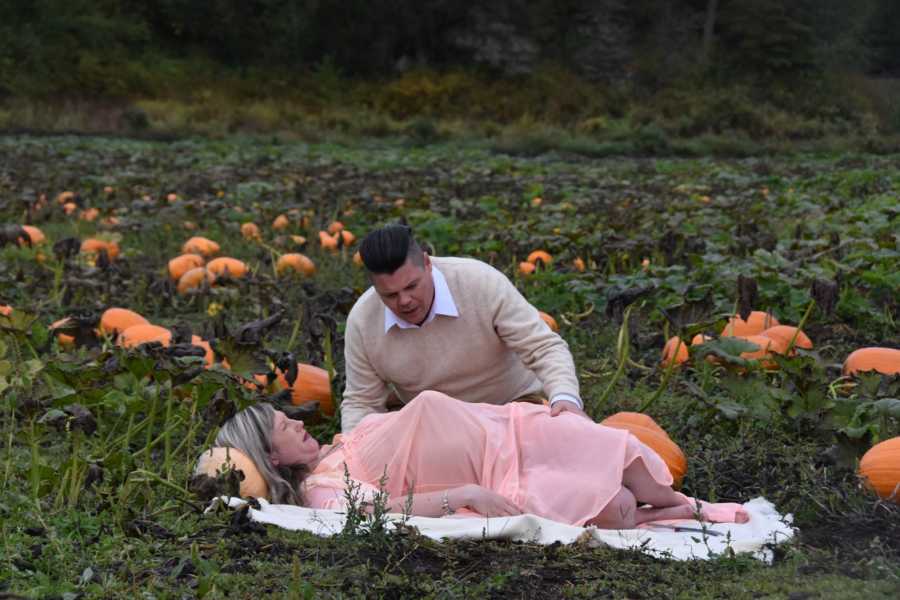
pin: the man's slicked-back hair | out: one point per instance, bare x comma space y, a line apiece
386, 249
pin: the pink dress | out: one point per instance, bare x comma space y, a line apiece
564, 468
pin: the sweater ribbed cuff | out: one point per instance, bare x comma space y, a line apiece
568, 397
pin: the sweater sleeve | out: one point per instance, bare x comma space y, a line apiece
522, 330
365, 392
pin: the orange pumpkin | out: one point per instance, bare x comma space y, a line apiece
65, 340
347, 236
5, 310
64, 197
210, 356
766, 348
200, 245
219, 459
578, 263
312, 383
357, 259
882, 360
232, 267
634, 418
700, 339
880, 469
144, 334
327, 241
250, 231
755, 324
540, 255
180, 265
89, 214
526, 268
260, 378
94, 246
281, 222
785, 333
193, 279
114, 321
36, 235
335, 226
653, 436
675, 351
295, 263
298, 239
69, 207
549, 320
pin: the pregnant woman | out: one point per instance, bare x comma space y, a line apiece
444, 455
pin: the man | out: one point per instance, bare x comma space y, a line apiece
454, 325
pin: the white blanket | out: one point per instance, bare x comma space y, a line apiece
766, 526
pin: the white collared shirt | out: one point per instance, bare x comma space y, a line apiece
444, 305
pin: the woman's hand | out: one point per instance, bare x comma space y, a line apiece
485, 502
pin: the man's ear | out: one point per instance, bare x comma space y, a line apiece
274, 459
426, 260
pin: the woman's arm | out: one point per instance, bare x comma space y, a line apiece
431, 504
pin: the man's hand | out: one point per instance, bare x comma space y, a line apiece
562, 406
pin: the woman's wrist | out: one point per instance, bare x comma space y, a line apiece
460, 496
446, 508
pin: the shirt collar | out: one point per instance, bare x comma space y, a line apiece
443, 305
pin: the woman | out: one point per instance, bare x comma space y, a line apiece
439, 455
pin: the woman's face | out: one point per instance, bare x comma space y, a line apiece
291, 444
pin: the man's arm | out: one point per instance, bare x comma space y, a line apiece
542, 351
365, 392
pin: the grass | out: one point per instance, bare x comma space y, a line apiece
551, 111
109, 513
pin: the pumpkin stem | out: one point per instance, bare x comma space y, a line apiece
623, 347
799, 327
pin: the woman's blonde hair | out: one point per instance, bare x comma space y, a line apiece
250, 431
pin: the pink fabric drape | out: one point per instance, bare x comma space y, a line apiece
563, 468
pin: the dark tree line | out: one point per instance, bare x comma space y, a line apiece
73, 40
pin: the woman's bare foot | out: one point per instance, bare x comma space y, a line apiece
708, 513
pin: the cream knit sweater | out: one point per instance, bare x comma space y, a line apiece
497, 349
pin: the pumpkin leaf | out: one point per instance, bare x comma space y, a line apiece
731, 410
67, 248
18, 322
252, 333
888, 407
54, 417
14, 235
245, 360
727, 350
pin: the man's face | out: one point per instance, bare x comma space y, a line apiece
408, 291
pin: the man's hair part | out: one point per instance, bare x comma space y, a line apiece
386, 249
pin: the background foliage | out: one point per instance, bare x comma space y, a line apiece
765, 68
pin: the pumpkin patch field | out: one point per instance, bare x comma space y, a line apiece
742, 314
